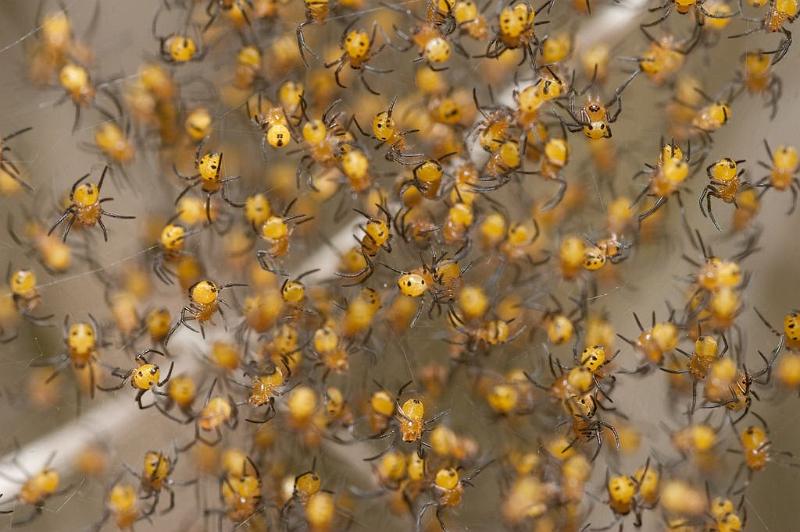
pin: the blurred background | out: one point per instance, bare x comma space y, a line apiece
52, 161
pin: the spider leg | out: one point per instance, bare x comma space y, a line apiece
185, 190
301, 42
63, 217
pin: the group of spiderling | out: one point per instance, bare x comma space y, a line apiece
464, 331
